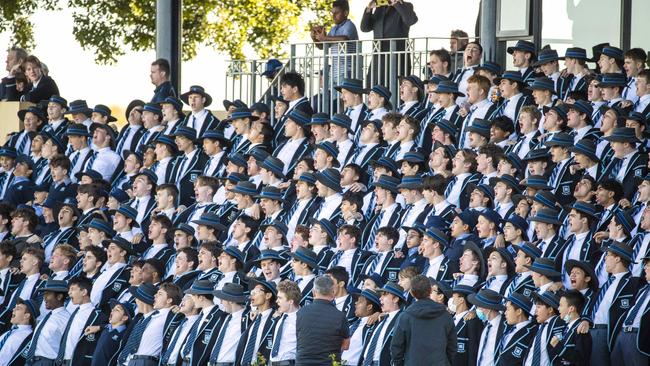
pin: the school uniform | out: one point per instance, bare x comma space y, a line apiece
385, 264
60, 192
380, 338
563, 182
164, 169
514, 345
290, 152
573, 348
230, 331
47, 336
489, 341
185, 280
457, 191
128, 138
305, 284
364, 154
198, 353
628, 171
631, 346
109, 285
15, 343
389, 216
202, 121
468, 335
108, 346
216, 165
302, 104
106, 162
299, 213
263, 330
440, 268
541, 344
77, 348
187, 169
353, 261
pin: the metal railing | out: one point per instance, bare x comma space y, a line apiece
323, 65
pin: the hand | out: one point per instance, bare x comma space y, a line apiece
600, 236
357, 187
555, 286
371, 5
180, 209
175, 309
583, 328
44, 277
256, 211
470, 315
284, 185
34, 239
554, 341
14, 270
92, 329
564, 73
14, 70
457, 275
372, 319
463, 112
398, 254
626, 103
625, 203
500, 242
136, 238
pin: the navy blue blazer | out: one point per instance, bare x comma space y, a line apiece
108, 347
516, 350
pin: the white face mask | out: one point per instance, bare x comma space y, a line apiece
451, 305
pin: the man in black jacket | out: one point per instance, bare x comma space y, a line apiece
425, 325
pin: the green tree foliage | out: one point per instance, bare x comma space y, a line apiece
109, 28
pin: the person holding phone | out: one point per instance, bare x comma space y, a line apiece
388, 19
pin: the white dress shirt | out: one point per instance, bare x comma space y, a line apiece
51, 333
488, 342
106, 162
382, 335
184, 332
231, 338
288, 343
601, 314
288, 150
102, 281
330, 204
353, 353
13, 342
77, 329
434, 266
153, 334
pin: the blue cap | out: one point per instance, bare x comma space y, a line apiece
447, 127
308, 177
187, 132
480, 126
622, 134
487, 299
59, 286
448, 86
246, 188
491, 216
613, 52
330, 178
585, 208
177, 103
545, 267
273, 164
234, 252
529, 249
272, 65
236, 177
388, 182
326, 225
259, 154
491, 67
353, 85
237, 159
59, 100
412, 157
560, 139
102, 225
342, 120
119, 195
270, 285
613, 79
576, 52
369, 295
79, 106
77, 129
622, 250
382, 91
319, 119
411, 182
519, 223
299, 117
521, 45
270, 254
546, 198
306, 256
330, 149
512, 75
625, 220
545, 56
128, 212
586, 147
212, 220
542, 83
197, 89
271, 193
521, 301
387, 163
393, 288
153, 108
582, 106
437, 235
537, 182
145, 292
278, 225
241, 113
508, 180
167, 140
546, 215
548, 297
200, 287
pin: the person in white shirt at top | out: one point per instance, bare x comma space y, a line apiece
288, 301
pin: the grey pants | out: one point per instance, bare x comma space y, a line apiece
143, 362
599, 350
625, 351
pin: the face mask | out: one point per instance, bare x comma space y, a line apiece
481, 315
451, 305
567, 318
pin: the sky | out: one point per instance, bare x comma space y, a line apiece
78, 77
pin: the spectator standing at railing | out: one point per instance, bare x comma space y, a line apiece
15, 58
342, 31
160, 73
388, 19
458, 40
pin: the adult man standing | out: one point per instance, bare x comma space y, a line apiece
391, 20
160, 73
321, 329
424, 325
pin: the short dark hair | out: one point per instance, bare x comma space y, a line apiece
163, 65
504, 123
250, 223
26, 213
645, 73
637, 54
341, 4
294, 80
173, 291
437, 183
353, 199
390, 232
35, 252
157, 265
443, 55
8, 249
82, 282
351, 230
391, 117
163, 220
492, 151
213, 247
191, 254
420, 287
576, 299
98, 252
340, 274
171, 189
612, 185
60, 161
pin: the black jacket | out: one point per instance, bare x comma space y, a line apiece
425, 325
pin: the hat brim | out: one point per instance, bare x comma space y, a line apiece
354, 90
208, 98
134, 292
545, 272
474, 301
211, 224
228, 297
311, 264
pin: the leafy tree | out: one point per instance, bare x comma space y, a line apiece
110, 27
